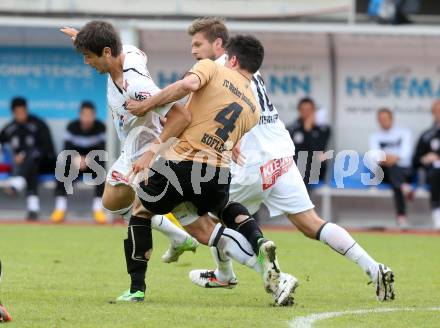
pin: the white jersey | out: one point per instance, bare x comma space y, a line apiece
138, 85
395, 141
269, 139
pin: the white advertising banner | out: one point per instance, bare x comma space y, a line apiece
373, 71
295, 65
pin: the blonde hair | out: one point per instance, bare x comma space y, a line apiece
211, 27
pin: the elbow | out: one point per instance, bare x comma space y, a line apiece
186, 86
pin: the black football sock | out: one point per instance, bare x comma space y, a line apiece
138, 248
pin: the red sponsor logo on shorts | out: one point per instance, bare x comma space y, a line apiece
272, 170
118, 176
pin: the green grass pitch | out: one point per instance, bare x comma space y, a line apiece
64, 276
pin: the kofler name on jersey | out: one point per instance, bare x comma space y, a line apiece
213, 142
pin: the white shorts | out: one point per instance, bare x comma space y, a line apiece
277, 183
119, 170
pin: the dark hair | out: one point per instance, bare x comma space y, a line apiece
305, 100
18, 102
248, 50
211, 27
88, 104
95, 36
385, 110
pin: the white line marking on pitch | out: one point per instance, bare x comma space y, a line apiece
308, 321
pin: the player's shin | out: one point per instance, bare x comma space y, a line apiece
234, 245
224, 270
138, 247
340, 241
237, 217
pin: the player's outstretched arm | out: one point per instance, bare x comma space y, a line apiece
173, 92
70, 32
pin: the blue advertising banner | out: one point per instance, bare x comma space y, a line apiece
54, 80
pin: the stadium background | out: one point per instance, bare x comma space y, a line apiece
328, 50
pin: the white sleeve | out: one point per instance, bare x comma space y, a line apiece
141, 88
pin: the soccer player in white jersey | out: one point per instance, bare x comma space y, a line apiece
270, 176
128, 78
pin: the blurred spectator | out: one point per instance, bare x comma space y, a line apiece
32, 148
83, 135
310, 139
427, 156
393, 11
396, 143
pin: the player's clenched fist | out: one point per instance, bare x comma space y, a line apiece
142, 165
135, 107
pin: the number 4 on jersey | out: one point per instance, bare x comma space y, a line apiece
234, 110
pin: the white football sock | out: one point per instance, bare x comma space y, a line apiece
234, 245
224, 271
18, 183
436, 218
176, 235
340, 240
61, 203
97, 204
124, 212
33, 203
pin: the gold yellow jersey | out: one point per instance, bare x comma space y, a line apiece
222, 110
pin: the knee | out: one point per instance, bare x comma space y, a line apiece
233, 214
115, 199
107, 204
